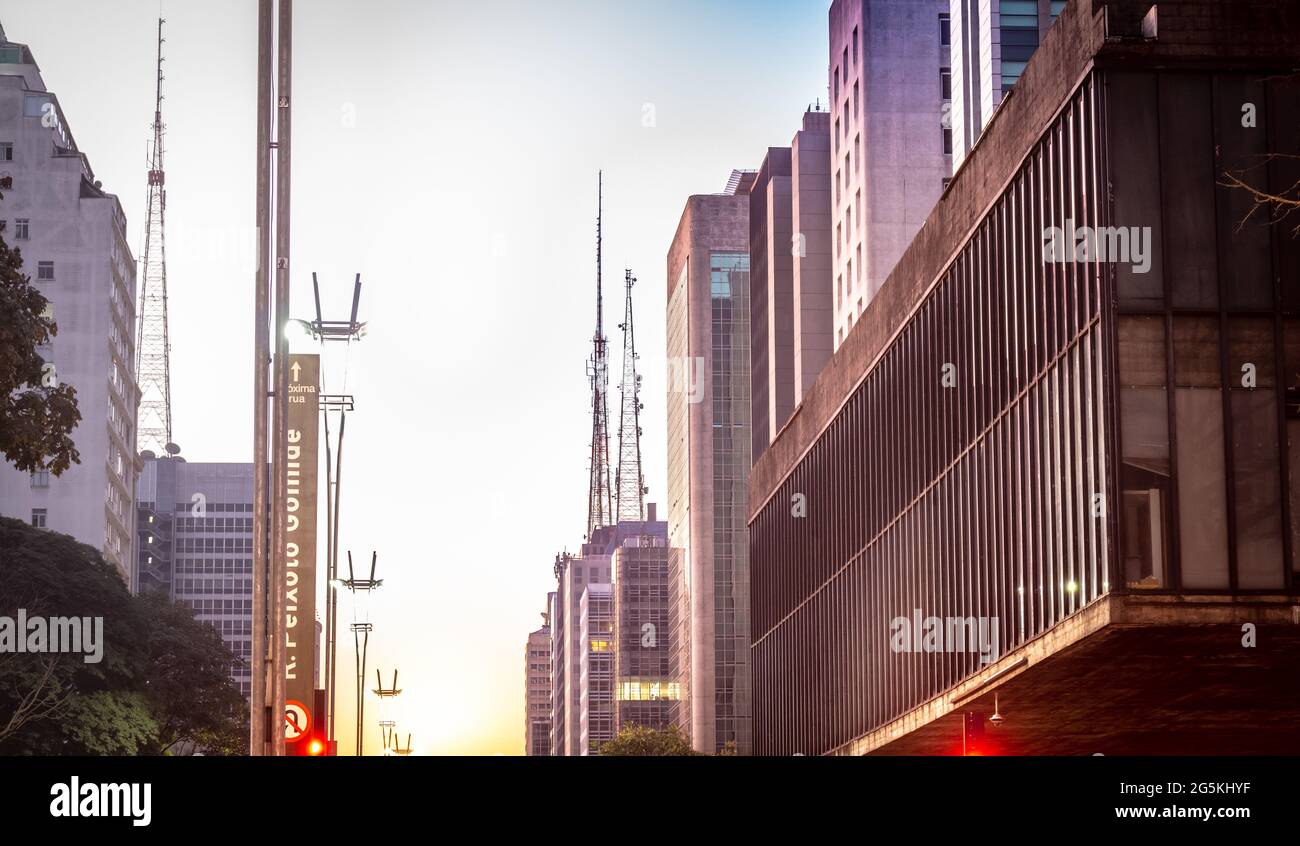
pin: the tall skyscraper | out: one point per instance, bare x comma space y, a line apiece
810, 211
569, 646
647, 688
991, 42
537, 692
889, 149
72, 235
771, 297
790, 275
596, 684
196, 546
709, 454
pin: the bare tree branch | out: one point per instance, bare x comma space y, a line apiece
45, 699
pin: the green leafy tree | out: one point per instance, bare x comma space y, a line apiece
189, 687
37, 414
162, 686
637, 740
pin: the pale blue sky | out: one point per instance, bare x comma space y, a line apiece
448, 152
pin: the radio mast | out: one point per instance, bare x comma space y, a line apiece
153, 346
629, 481
599, 505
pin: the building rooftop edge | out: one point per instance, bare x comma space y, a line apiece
1089, 34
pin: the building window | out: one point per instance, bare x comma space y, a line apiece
45, 271
41, 479
21, 228
6, 151
1144, 444
945, 33
947, 141
855, 45
38, 518
1198, 418
945, 83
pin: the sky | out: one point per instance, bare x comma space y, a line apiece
447, 152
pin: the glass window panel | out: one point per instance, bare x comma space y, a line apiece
1243, 231
1144, 434
1187, 178
1257, 488
1250, 353
1135, 155
1196, 352
1202, 505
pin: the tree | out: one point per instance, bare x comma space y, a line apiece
162, 684
189, 687
1279, 202
637, 740
37, 414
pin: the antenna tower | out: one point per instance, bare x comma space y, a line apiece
629, 481
599, 506
153, 346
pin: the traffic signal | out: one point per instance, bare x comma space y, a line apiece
973, 743
315, 742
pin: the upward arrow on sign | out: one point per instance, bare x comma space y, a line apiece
296, 367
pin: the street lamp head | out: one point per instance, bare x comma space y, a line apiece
299, 330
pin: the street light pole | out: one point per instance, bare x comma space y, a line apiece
279, 522
259, 655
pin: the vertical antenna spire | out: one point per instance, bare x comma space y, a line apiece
153, 345
599, 496
629, 481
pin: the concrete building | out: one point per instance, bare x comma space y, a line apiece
813, 322
1059, 479
72, 235
647, 687
195, 544
790, 264
709, 456
771, 297
991, 42
569, 648
537, 692
889, 160
596, 677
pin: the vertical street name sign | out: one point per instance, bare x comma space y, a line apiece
300, 468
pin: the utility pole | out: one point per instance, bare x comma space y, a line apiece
269, 568
361, 629
345, 331
261, 726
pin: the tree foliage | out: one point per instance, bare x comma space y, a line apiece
637, 740
37, 414
162, 685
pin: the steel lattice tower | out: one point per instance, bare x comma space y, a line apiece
629, 481
599, 503
153, 346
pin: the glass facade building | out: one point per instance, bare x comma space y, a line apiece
709, 456
647, 690
1044, 428
195, 527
